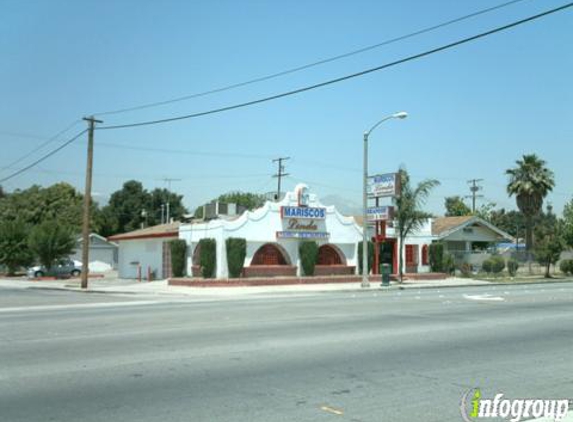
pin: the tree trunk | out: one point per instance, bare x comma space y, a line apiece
529, 240
547, 269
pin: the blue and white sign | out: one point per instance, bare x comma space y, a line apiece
302, 235
380, 213
303, 212
384, 185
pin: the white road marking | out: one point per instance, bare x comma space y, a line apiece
78, 306
484, 297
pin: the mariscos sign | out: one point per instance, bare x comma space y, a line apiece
303, 212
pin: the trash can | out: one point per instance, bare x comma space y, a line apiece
385, 271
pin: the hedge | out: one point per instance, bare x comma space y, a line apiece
308, 253
208, 258
370, 256
178, 249
436, 257
236, 253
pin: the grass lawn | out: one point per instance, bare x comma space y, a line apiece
523, 278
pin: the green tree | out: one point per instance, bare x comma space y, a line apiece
248, 200
530, 182
50, 241
455, 207
14, 251
409, 216
568, 224
126, 205
133, 205
511, 222
548, 243
61, 202
159, 197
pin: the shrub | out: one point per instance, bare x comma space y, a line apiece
436, 257
487, 265
208, 259
449, 264
178, 249
236, 253
498, 264
566, 266
512, 266
370, 256
51, 241
466, 269
308, 252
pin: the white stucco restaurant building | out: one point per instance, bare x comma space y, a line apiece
273, 234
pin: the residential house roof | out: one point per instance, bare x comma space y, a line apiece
161, 230
444, 226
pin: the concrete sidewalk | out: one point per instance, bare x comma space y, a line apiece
161, 288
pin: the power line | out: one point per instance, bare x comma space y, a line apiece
310, 65
343, 78
183, 151
45, 157
39, 147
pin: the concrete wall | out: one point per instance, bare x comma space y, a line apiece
146, 252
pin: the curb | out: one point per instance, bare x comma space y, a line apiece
373, 287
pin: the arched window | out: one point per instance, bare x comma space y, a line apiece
269, 254
327, 255
425, 260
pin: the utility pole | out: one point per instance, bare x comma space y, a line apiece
474, 189
280, 173
87, 200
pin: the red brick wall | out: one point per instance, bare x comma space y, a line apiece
333, 270
269, 271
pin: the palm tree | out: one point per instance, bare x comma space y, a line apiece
409, 216
530, 182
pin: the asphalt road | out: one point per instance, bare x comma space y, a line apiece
365, 356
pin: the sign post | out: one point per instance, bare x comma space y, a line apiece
381, 186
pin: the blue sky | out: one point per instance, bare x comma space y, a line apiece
473, 110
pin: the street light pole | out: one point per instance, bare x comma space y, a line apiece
365, 281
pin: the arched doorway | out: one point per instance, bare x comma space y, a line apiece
331, 261
269, 254
270, 260
328, 255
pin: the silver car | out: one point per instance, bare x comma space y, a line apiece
63, 268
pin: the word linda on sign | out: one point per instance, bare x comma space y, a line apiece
384, 185
291, 234
294, 224
303, 212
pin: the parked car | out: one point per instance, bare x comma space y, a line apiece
64, 267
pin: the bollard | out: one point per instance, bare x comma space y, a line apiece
385, 271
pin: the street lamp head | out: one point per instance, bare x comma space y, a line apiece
400, 115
